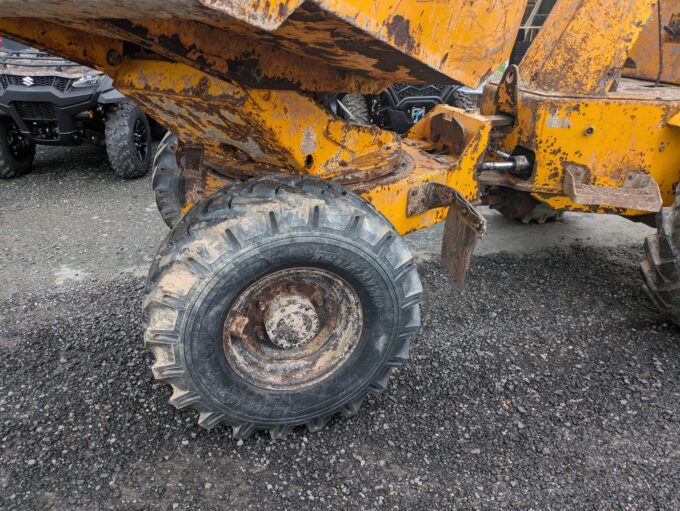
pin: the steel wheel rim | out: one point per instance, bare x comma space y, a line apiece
292, 329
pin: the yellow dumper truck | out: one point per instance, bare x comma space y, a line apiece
284, 293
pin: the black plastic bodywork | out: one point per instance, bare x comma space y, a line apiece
400, 106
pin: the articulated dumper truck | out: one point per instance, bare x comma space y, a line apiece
283, 293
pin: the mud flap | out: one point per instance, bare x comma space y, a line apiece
463, 228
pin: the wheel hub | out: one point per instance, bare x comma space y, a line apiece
291, 321
292, 328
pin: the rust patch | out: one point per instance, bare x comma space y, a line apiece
189, 159
371, 166
399, 30
292, 328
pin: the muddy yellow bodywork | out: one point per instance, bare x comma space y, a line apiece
394, 170
630, 132
293, 42
644, 60
598, 143
242, 83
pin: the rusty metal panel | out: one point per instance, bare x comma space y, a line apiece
582, 47
86, 48
408, 40
236, 55
643, 61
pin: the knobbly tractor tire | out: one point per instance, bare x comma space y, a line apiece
522, 207
460, 99
660, 270
357, 109
128, 140
279, 302
168, 181
16, 153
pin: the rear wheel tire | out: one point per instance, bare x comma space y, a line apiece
460, 99
522, 207
168, 181
280, 302
16, 153
128, 140
660, 266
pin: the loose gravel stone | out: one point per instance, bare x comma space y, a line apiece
573, 355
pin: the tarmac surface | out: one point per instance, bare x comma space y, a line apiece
550, 384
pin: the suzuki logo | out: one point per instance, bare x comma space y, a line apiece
27, 81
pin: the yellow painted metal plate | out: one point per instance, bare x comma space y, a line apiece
629, 131
409, 39
643, 61
583, 45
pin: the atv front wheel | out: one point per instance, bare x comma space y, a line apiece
279, 302
355, 109
460, 99
128, 140
16, 152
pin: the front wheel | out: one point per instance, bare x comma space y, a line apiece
280, 302
16, 151
128, 140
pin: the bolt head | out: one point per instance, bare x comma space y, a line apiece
114, 58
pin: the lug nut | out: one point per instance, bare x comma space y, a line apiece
259, 334
114, 58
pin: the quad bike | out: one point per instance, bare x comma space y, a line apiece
46, 100
284, 293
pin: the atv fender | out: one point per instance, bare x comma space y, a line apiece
110, 97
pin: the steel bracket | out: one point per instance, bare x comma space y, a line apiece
639, 191
464, 225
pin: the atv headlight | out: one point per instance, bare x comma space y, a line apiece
87, 81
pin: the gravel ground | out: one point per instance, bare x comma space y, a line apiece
550, 385
72, 219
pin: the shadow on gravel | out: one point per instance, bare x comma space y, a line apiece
551, 384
